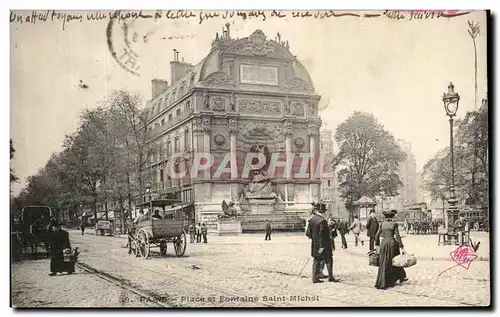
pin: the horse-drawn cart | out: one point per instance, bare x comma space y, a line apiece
151, 232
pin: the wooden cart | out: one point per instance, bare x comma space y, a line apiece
151, 232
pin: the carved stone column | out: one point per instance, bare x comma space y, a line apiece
197, 148
207, 128
227, 66
288, 147
313, 132
233, 130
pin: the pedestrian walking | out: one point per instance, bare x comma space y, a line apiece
321, 251
82, 227
204, 232
332, 224
192, 233
371, 229
343, 230
198, 233
268, 230
390, 246
58, 241
356, 229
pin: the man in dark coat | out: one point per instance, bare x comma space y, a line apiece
321, 244
268, 230
58, 241
371, 229
343, 230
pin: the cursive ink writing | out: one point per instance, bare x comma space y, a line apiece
64, 17
463, 256
178, 37
179, 14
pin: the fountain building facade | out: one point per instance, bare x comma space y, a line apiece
248, 95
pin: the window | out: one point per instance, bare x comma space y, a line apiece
161, 175
161, 151
170, 117
162, 121
188, 106
177, 145
329, 183
187, 140
178, 112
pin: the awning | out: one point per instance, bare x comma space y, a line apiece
160, 203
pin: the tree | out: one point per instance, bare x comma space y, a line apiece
368, 159
131, 121
13, 177
474, 32
471, 161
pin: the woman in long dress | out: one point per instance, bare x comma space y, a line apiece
388, 275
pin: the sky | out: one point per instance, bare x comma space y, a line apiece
395, 69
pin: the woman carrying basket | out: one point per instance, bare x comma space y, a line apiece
388, 274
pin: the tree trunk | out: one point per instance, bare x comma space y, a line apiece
129, 195
95, 209
106, 208
122, 216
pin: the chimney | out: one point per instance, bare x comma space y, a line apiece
178, 69
158, 86
227, 30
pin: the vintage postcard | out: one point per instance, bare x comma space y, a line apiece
273, 158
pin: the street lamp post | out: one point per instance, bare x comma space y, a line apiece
148, 192
450, 101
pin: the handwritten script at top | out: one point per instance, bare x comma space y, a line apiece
463, 256
66, 17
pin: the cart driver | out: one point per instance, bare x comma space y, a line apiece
157, 214
139, 217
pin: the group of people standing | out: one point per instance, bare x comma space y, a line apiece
322, 233
196, 233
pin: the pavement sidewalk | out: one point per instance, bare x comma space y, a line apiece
32, 287
424, 247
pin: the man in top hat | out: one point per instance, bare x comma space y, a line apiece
371, 229
321, 244
58, 241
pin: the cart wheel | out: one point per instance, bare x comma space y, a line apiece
180, 244
135, 248
143, 242
163, 247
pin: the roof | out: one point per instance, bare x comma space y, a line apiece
365, 201
253, 45
160, 203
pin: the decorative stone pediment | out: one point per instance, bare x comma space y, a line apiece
257, 45
297, 84
218, 78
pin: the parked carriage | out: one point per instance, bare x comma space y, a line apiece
150, 232
33, 228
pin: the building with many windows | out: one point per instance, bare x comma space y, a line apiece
408, 176
249, 95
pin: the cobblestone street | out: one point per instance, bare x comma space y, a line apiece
244, 271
